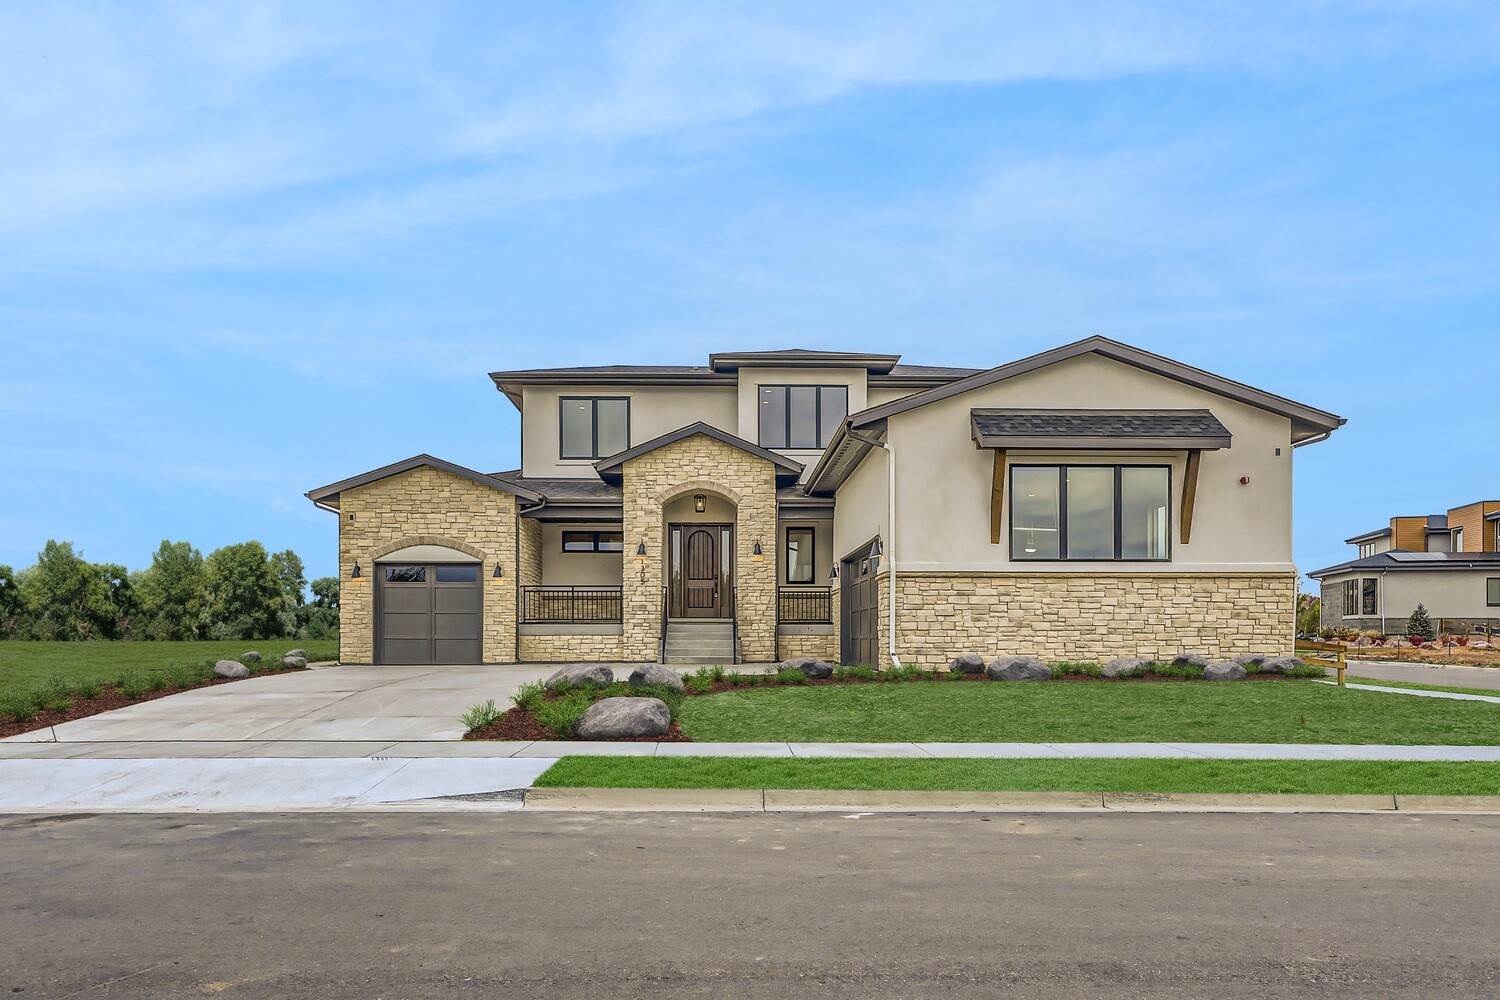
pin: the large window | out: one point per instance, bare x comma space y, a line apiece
1351, 598
1492, 592
801, 416
594, 426
1090, 512
1370, 596
593, 541
799, 555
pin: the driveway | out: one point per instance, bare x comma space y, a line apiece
1454, 675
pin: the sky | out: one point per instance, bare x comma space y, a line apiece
248, 249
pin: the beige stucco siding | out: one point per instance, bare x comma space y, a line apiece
654, 411
1445, 593
863, 509
578, 569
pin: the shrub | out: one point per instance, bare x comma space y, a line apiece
17, 708
528, 695
1076, 670
1419, 626
479, 716
133, 684
856, 672
738, 679
699, 683
790, 675
88, 687
54, 694
560, 713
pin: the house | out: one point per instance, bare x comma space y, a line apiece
1091, 501
1449, 563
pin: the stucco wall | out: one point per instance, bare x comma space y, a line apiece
1445, 593
426, 507
578, 569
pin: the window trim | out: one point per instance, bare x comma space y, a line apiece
563, 401
812, 562
760, 415
1488, 582
1062, 511
1350, 586
596, 540
1369, 586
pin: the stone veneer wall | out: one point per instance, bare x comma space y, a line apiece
426, 507
700, 464
824, 647
529, 559
1088, 617
574, 649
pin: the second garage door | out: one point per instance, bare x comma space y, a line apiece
428, 613
860, 627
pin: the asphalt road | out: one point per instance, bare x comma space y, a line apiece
556, 905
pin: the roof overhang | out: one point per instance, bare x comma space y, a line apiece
611, 469
875, 364
327, 497
1369, 536
1074, 429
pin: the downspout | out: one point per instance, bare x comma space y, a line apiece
890, 543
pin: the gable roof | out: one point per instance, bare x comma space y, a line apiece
327, 497
611, 469
1308, 423
1004, 427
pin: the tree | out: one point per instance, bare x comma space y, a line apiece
10, 603
290, 576
65, 597
326, 592
245, 597
1419, 625
320, 619
174, 592
1309, 615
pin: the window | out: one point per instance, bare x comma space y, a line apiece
799, 555
801, 416
594, 426
406, 574
1366, 549
1369, 600
593, 541
1351, 598
1492, 592
1458, 539
1090, 512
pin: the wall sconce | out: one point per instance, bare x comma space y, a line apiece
756, 553
700, 502
876, 549
640, 551
499, 572
357, 573
833, 574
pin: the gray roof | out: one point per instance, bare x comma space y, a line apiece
560, 490
1038, 428
1369, 536
328, 496
801, 357
1391, 562
611, 467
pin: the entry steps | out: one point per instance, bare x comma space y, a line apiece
699, 643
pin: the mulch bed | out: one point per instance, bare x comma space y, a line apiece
519, 724
110, 699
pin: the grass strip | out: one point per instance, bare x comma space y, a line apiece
1320, 777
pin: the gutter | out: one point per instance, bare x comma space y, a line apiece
891, 531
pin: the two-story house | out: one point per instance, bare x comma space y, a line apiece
1092, 501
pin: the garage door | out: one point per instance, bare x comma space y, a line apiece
860, 610
430, 613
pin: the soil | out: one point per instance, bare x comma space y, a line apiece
108, 700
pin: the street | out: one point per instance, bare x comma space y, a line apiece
523, 905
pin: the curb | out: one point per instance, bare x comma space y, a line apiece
817, 800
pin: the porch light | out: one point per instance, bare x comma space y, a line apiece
357, 573
640, 551
875, 549
833, 574
756, 553
499, 571
700, 502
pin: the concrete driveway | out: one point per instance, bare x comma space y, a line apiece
1453, 674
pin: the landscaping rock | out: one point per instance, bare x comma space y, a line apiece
580, 674
623, 718
250, 657
1018, 668
295, 662
1226, 671
1251, 659
232, 669
1123, 667
968, 663
1190, 660
812, 668
295, 652
655, 673
1281, 665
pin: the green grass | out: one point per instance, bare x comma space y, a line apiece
1223, 776
1059, 711
24, 664
1422, 687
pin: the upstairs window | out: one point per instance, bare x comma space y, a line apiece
594, 427
801, 416
1090, 512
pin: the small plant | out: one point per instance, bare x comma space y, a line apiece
133, 684
54, 694
88, 687
1419, 626
1076, 670
17, 708
856, 672
736, 678
560, 713
699, 683
790, 676
481, 715
906, 672
529, 695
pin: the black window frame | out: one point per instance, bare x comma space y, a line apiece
563, 401
1369, 597
1062, 511
812, 549
1492, 589
595, 539
1351, 599
786, 407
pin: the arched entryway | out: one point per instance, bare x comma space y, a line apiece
700, 542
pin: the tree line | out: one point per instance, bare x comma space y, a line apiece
237, 592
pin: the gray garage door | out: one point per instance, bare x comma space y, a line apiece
860, 627
429, 613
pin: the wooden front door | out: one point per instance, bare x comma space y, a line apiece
700, 570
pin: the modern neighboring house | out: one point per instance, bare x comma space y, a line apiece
1449, 563
1092, 501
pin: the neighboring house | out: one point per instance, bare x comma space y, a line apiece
1091, 501
1449, 563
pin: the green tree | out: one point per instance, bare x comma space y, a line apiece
174, 592
245, 597
1309, 614
1420, 625
291, 577
10, 603
320, 619
326, 592
67, 598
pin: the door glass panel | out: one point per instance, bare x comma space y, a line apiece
802, 400
1034, 513
406, 574
1143, 513
614, 426
773, 416
458, 574
1091, 512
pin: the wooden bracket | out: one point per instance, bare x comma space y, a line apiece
1189, 495
997, 496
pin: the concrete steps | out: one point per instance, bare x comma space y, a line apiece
699, 643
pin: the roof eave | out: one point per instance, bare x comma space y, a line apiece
327, 497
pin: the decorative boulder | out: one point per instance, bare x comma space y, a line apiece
1281, 665
1251, 659
580, 674
1123, 667
968, 663
231, 668
1018, 668
812, 668
1226, 671
294, 652
295, 662
623, 718
655, 673
250, 657
1190, 660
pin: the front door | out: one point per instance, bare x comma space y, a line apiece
700, 570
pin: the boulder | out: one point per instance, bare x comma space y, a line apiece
655, 673
623, 718
812, 668
1281, 664
579, 674
295, 662
1190, 660
295, 652
967, 663
1018, 668
231, 668
1226, 671
1251, 659
1123, 667
250, 657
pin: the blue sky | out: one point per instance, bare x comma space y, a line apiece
249, 249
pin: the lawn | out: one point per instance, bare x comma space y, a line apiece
1061, 711
26, 664
1223, 776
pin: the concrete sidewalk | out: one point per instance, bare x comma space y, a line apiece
1449, 674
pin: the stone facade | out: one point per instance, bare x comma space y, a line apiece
529, 562
824, 647
693, 465
573, 649
425, 506
1059, 617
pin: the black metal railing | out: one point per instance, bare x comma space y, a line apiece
804, 605
554, 605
